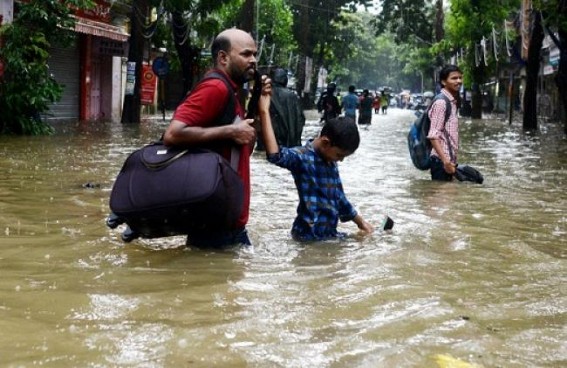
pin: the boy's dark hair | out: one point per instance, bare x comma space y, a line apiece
351, 88
446, 70
342, 132
220, 43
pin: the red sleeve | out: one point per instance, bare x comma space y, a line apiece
202, 107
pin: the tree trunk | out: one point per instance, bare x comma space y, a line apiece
187, 54
132, 105
247, 17
439, 21
561, 77
532, 73
476, 91
305, 50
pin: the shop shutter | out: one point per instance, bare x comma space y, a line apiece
64, 65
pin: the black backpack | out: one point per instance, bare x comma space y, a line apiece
165, 191
418, 144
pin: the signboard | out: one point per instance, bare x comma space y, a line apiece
308, 72
554, 56
149, 80
106, 46
100, 12
130, 77
160, 66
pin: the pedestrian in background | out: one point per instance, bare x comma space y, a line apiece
444, 133
384, 102
350, 103
287, 115
328, 103
376, 103
365, 113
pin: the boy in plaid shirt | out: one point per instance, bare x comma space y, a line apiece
322, 201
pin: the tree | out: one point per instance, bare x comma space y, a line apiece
27, 89
416, 24
556, 25
183, 18
192, 23
314, 31
532, 72
273, 30
132, 104
365, 60
469, 24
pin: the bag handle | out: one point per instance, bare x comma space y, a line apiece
228, 115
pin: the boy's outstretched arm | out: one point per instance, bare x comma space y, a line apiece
362, 224
268, 135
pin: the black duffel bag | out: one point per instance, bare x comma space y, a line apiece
468, 173
163, 191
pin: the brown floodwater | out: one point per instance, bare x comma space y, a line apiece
474, 274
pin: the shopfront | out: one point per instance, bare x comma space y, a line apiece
90, 69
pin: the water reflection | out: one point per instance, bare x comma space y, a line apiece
474, 272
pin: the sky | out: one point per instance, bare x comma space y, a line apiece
373, 10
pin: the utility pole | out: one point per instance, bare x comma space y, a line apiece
132, 106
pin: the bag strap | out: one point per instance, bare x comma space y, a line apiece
447, 115
228, 115
441, 96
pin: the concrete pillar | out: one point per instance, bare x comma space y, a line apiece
6, 11
117, 89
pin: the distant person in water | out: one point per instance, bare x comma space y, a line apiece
365, 107
328, 104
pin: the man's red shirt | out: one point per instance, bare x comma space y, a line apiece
203, 108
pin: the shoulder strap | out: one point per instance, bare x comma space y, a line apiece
228, 116
228, 113
447, 115
447, 107
441, 96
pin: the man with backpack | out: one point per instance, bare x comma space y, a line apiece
444, 129
196, 124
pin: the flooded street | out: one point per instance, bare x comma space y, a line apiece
475, 273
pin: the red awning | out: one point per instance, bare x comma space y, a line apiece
99, 29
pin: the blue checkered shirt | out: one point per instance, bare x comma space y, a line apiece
322, 201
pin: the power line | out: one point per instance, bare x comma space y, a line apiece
316, 8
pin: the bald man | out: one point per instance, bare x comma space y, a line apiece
196, 122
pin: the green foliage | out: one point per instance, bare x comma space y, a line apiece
410, 21
553, 13
467, 23
312, 19
27, 88
356, 56
275, 21
202, 19
412, 25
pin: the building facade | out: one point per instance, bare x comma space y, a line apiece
91, 69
